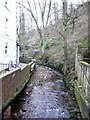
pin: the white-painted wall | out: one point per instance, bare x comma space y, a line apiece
8, 31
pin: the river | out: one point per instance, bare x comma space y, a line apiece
44, 96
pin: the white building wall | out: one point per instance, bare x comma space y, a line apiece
7, 31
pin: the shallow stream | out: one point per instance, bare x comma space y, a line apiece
44, 96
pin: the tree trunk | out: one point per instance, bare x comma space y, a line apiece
43, 39
65, 36
89, 27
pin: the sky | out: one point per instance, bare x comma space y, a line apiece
69, 1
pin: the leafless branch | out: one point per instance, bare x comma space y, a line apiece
36, 10
48, 12
43, 12
39, 6
29, 9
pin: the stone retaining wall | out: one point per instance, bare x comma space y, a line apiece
82, 84
14, 82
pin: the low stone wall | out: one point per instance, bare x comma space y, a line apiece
82, 84
14, 82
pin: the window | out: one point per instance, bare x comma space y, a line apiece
6, 22
6, 46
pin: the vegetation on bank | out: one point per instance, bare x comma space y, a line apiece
84, 42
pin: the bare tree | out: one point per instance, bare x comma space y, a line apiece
44, 16
56, 11
68, 19
89, 27
65, 35
72, 16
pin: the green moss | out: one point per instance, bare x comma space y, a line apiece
12, 97
72, 113
83, 62
5, 103
82, 100
83, 42
77, 84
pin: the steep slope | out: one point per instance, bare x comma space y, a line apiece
54, 52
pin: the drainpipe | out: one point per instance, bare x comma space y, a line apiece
17, 54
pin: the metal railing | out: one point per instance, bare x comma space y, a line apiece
3, 66
6, 67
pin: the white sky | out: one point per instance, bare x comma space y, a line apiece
69, 1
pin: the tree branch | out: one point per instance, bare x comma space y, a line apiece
29, 9
35, 10
48, 12
43, 12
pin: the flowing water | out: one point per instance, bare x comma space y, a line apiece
44, 96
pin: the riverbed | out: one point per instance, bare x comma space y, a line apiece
44, 97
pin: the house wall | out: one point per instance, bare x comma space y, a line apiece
7, 31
